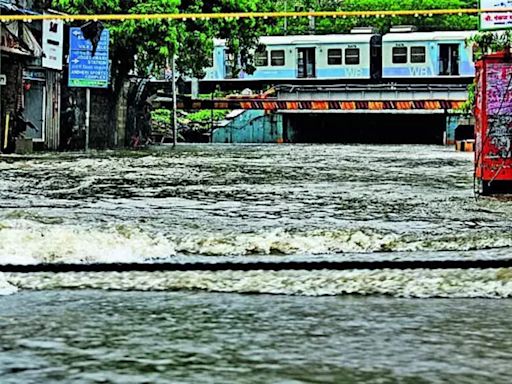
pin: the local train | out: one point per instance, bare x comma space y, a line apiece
355, 56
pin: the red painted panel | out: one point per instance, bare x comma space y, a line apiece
493, 112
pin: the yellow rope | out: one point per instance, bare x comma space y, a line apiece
240, 15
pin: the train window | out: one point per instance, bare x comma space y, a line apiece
277, 58
261, 58
399, 55
352, 56
418, 55
334, 57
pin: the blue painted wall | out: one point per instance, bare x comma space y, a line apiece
452, 122
252, 126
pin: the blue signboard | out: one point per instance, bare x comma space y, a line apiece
86, 70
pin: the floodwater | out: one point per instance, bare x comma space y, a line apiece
251, 203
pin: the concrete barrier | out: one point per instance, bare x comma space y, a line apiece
23, 146
465, 145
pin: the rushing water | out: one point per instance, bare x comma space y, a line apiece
211, 338
249, 203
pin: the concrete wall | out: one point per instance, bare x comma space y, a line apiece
72, 122
120, 138
103, 119
452, 122
257, 126
252, 126
10, 94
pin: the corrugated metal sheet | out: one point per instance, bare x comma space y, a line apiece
52, 137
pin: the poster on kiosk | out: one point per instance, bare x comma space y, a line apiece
493, 109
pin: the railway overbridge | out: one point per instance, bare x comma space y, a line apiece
281, 115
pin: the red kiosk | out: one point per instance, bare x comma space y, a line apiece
493, 129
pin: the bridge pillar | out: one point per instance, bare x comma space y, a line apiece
452, 122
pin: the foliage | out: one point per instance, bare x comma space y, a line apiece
217, 94
383, 24
485, 43
205, 116
146, 46
489, 42
164, 116
467, 107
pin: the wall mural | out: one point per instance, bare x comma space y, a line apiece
499, 110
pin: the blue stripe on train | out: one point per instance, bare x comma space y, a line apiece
466, 69
321, 73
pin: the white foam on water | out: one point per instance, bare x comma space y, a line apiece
279, 241
26, 242
5, 287
460, 242
453, 283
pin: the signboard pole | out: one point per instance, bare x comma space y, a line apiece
88, 71
174, 104
87, 116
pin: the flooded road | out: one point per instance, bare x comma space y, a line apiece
129, 337
249, 203
245, 201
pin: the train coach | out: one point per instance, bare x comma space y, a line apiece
427, 55
306, 57
356, 56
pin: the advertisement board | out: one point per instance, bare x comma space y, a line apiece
53, 41
490, 21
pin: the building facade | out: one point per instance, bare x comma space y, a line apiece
31, 72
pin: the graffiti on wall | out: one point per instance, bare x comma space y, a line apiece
499, 109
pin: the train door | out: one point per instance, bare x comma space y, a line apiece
449, 59
306, 63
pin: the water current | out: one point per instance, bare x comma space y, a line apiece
252, 203
246, 203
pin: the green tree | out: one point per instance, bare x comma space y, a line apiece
344, 25
485, 43
147, 45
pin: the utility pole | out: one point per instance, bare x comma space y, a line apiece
174, 103
285, 18
312, 24
87, 117
1, 88
312, 21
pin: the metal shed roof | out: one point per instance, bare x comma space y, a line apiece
311, 39
428, 36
